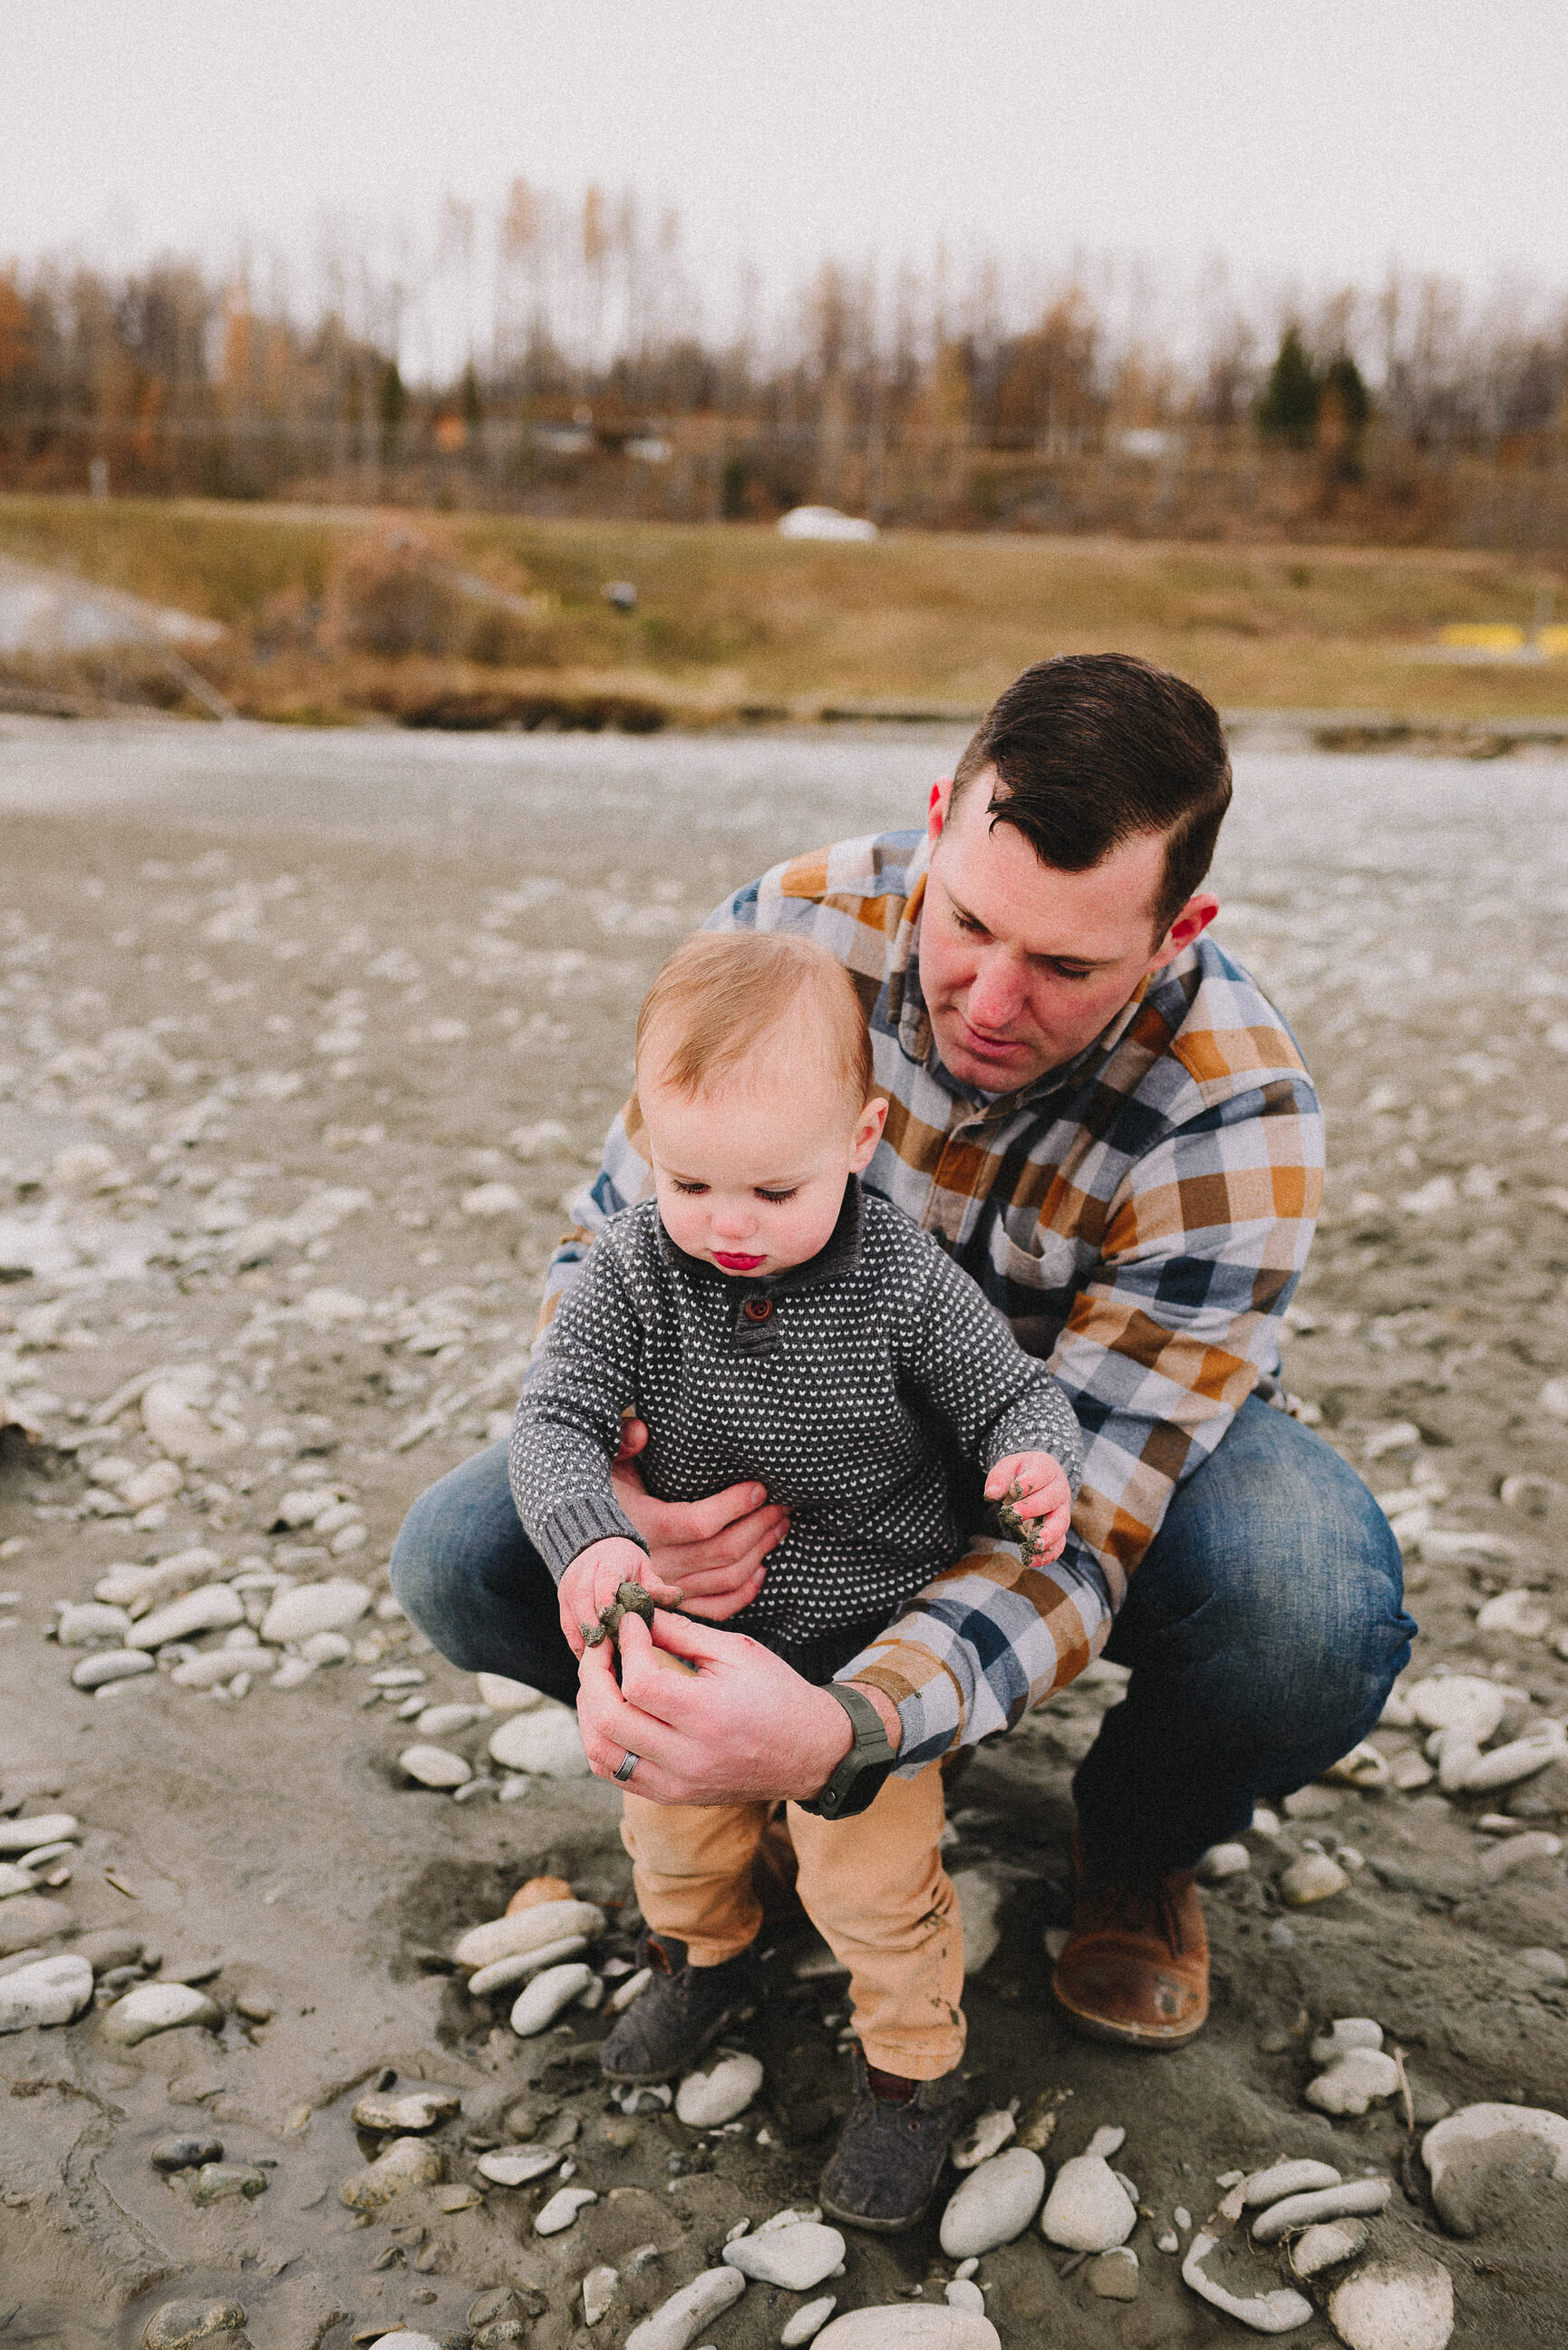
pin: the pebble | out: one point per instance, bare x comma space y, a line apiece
106, 1665
1472, 2125
1456, 1754
1328, 2244
996, 2203
492, 1200
633, 1987
1523, 1613
1364, 1766
1088, 2209
1223, 1860
1279, 2312
327, 1649
676, 2322
211, 1608
503, 1696
292, 1673
519, 2169
1314, 1877
1346, 2032
49, 1991
537, 1889
1410, 1770
27, 1920
1547, 1966
212, 1670
216, 2181
1534, 1844
1385, 2306
808, 2321
795, 2258
182, 2324
129, 1587
15, 1878
544, 1740
433, 1766
1505, 1766
1354, 2081
185, 2153
548, 1995
1457, 1702
983, 2137
158, 2007
598, 2293
446, 1720
315, 1608
910, 2326
962, 2292
159, 1482
27, 1836
527, 1930
89, 1619
407, 2162
1303, 2178
415, 2109
1114, 2275
523, 1965
708, 2100
980, 1897
562, 2210
1351, 2198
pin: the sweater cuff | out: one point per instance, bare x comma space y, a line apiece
575, 1523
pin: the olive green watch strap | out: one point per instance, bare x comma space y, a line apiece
858, 1781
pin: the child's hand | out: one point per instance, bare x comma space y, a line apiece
1033, 1490
594, 1577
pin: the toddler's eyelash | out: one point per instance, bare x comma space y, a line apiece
778, 1197
692, 1188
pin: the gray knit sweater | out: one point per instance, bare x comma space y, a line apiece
863, 1388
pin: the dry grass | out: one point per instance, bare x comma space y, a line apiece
736, 615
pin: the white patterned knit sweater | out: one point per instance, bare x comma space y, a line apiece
863, 1389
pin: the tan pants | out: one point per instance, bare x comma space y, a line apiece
874, 1888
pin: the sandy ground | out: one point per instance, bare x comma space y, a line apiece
272, 1007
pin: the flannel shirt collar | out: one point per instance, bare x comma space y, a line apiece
837, 1261
912, 1022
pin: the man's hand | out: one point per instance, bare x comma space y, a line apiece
714, 1550
745, 1728
1043, 1500
594, 1577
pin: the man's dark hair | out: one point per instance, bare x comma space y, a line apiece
1092, 749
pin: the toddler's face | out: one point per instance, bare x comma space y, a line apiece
750, 1173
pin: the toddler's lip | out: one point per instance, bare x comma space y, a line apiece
735, 1263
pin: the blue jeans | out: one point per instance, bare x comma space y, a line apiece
1262, 1631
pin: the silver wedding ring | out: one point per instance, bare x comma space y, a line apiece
629, 1766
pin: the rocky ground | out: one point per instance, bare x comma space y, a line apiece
302, 1039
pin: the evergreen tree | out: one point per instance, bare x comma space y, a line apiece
391, 404
1292, 395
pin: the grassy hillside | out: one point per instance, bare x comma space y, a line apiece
737, 617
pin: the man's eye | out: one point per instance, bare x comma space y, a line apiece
967, 923
778, 1197
1065, 971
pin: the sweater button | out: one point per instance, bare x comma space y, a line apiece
757, 1309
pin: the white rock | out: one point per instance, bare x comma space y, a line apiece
1390, 2306
599, 2292
27, 1836
446, 1720
324, 1306
315, 1608
106, 1665
1505, 1766
1346, 2032
292, 1672
547, 1996
523, 1965
1410, 1770
1456, 1754
413, 2110
962, 2292
795, 2258
633, 1987
157, 1483
218, 1666
492, 1200
48, 1991
983, 2137
562, 2210
327, 1649
1523, 1613
1223, 1860
1088, 2209
1352, 2197
348, 1538
1472, 2124
517, 2170
708, 2100
1457, 1701
433, 1766
1354, 2081
15, 1880
546, 1740
807, 2322
527, 1930
157, 2007
1364, 1766
674, 2323
979, 1899
910, 2325
140, 1586
996, 2203
503, 1695
1304, 2177
1535, 1844
1314, 1877
212, 1607
170, 1415
1327, 2244
90, 1619
1280, 2311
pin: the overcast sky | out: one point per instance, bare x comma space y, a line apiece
1314, 137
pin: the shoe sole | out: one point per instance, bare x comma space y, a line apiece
1152, 2037
875, 2227
740, 2014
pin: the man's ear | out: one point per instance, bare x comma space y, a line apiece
936, 808
1190, 924
867, 1134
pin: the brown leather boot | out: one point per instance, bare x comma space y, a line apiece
1135, 1968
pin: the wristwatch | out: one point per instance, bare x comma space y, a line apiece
858, 1781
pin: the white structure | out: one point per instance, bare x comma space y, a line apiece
823, 522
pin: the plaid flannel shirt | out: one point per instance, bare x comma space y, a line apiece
1140, 1217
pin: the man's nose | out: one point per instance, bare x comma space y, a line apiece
993, 995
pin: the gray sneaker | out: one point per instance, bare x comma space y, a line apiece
891, 2154
682, 2010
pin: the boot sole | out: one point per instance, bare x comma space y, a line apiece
875, 2227
1152, 2037
740, 2014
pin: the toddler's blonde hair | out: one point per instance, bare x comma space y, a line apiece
721, 993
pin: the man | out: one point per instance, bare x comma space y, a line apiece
1106, 1123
